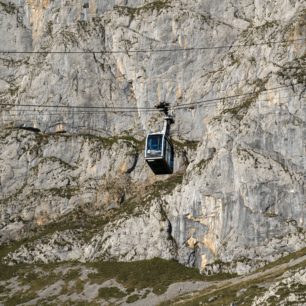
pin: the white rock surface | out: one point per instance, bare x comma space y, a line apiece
241, 201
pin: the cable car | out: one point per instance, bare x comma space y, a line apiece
159, 153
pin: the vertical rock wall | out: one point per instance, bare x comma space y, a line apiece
238, 193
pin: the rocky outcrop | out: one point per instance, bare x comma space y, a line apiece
236, 200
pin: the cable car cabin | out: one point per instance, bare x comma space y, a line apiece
159, 153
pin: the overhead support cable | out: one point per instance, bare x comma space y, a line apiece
135, 109
200, 102
16, 113
106, 108
154, 50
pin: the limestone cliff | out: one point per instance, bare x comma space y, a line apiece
73, 179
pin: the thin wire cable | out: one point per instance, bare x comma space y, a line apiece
84, 112
106, 108
153, 50
199, 102
140, 109
119, 108
40, 113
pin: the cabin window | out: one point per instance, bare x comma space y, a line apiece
155, 142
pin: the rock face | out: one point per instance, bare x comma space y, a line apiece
72, 173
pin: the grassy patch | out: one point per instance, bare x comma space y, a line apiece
156, 273
13, 196
283, 260
158, 6
27, 276
284, 291
79, 286
53, 159
200, 166
242, 107
246, 291
111, 292
20, 298
38, 277
66, 193
189, 144
240, 110
38, 281
161, 188
141, 201
108, 142
294, 70
138, 145
9, 8
133, 298
71, 275
238, 295
203, 164
89, 225
13, 90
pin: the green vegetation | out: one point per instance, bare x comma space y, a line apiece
163, 187
66, 193
52, 159
84, 26
81, 218
283, 260
240, 110
239, 295
21, 298
284, 291
138, 145
133, 298
203, 164
105, 142
13, 90
108, 142
244, 292
234, 60
36, 278
71, 275
50, 28
79, 286
69, 38
149, 7
199, 167
141, 201
243, 107
294, 70
13, 196
111, 292
245, 154
10, 62
189, 144
159, 274
9, 8
156, 273
74, 220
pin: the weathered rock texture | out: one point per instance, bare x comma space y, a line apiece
237, 198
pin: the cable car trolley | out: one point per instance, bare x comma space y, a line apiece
159, 153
